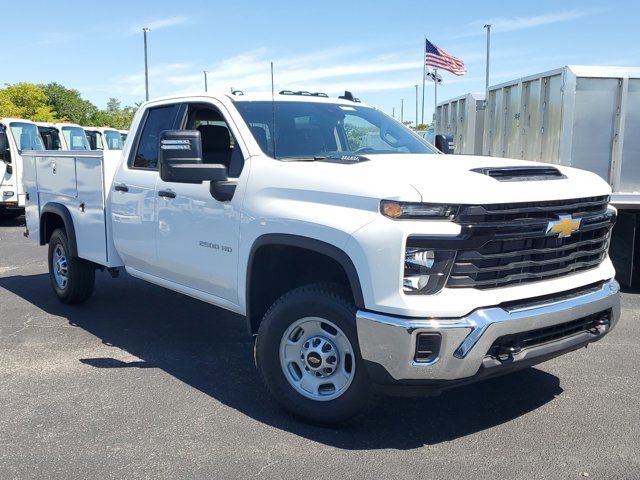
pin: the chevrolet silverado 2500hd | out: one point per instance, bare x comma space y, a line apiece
362, 258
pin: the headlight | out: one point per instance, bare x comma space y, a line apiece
409, 210
426, 270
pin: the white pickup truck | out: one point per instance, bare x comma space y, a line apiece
361, 268
62, 136
16, 136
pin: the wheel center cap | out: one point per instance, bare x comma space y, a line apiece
320, 356
314, 360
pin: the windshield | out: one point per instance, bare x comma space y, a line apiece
113, 139
75, 138
314, 129
26, 136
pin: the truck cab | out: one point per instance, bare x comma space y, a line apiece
104, 138
16, 136
361, 258
62, 136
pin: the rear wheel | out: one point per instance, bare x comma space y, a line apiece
72, 278
308, 356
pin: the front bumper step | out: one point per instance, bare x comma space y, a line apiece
488, 337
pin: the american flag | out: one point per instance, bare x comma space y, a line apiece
436, 57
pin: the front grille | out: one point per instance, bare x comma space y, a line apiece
514, 248
514, 343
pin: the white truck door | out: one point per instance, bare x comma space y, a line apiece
198, 236
133, 193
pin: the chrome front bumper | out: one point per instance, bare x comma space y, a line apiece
390, 341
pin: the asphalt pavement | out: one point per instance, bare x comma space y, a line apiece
141, 382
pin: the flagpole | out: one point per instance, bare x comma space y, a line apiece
435, 101
424, 74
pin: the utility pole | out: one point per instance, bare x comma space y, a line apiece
416, 125
393, 112
488, 27
435, 101
401, 110
205, 80
424, 74
146, 64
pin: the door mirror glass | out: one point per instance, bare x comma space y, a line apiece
180, 159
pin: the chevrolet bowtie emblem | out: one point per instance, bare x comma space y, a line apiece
564, 226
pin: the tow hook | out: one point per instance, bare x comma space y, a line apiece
506, 352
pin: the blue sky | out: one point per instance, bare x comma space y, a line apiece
372, 48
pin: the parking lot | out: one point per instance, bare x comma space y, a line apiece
141, 382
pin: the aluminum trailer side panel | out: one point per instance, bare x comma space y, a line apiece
584, 117
463, 118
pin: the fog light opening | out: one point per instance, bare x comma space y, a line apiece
427, 347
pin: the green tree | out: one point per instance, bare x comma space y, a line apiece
26, 100
69, 105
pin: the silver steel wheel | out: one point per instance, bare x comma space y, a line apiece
60, 267
317, 358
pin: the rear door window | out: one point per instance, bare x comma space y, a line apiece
157, 120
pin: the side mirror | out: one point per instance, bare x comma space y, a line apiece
180, 159
4, 147
444, 143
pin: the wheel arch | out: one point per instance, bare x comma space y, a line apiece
313, 246
52, 216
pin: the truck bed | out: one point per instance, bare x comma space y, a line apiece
79, 181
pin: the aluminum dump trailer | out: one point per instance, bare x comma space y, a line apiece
584, 117
463, 118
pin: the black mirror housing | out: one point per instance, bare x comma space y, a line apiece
444, 143
180, 159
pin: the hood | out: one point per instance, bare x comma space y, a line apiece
456, 179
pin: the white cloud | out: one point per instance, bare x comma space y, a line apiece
55, 38
511, 24
158, 23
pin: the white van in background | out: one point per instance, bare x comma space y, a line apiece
16, 136
62, 136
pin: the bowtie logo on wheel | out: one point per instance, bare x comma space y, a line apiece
564, 227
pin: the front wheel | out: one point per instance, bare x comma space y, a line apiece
308, 356
72, 278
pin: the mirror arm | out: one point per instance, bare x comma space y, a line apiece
223, 190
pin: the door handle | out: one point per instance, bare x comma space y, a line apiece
121, 188
167, 194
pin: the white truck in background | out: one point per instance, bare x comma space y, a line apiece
62, 136
360, 266
16, 137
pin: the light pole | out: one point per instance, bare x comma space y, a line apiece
146, 64
416, 125
488, 27
401, 110
205, 80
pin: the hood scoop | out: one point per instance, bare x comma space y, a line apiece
521, 174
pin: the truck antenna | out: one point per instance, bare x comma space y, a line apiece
273, 113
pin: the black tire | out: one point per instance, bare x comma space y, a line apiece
80, 273
329, 302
